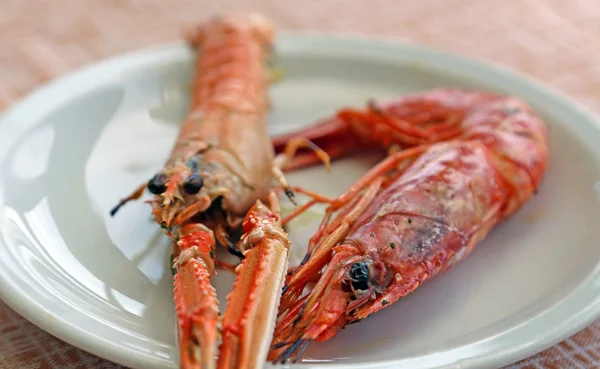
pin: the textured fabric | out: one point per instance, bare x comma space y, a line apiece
555, 41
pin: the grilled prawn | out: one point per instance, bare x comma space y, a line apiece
222, 163
415, 214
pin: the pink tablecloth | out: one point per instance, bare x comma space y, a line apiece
554, 40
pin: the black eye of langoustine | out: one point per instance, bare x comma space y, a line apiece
193, 185
359, 272
157, 184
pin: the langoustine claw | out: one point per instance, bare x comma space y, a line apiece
251, 312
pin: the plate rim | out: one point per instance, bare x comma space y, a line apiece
497, 356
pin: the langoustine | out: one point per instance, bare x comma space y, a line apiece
421, 210
221, 169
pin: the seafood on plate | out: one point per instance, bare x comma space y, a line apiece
222, 169
459, 163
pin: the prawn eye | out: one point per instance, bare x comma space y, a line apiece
193, 185
157, 184
359, 272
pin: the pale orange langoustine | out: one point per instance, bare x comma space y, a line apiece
420, 211
220, 165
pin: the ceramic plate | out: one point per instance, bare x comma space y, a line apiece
70, 151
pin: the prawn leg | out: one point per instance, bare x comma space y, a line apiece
288, 156
349, 131
413, 120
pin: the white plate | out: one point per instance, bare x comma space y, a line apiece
72, 149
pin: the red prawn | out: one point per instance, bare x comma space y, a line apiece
415, 214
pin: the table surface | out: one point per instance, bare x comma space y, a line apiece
555, 41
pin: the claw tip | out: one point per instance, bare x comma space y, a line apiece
290, 194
